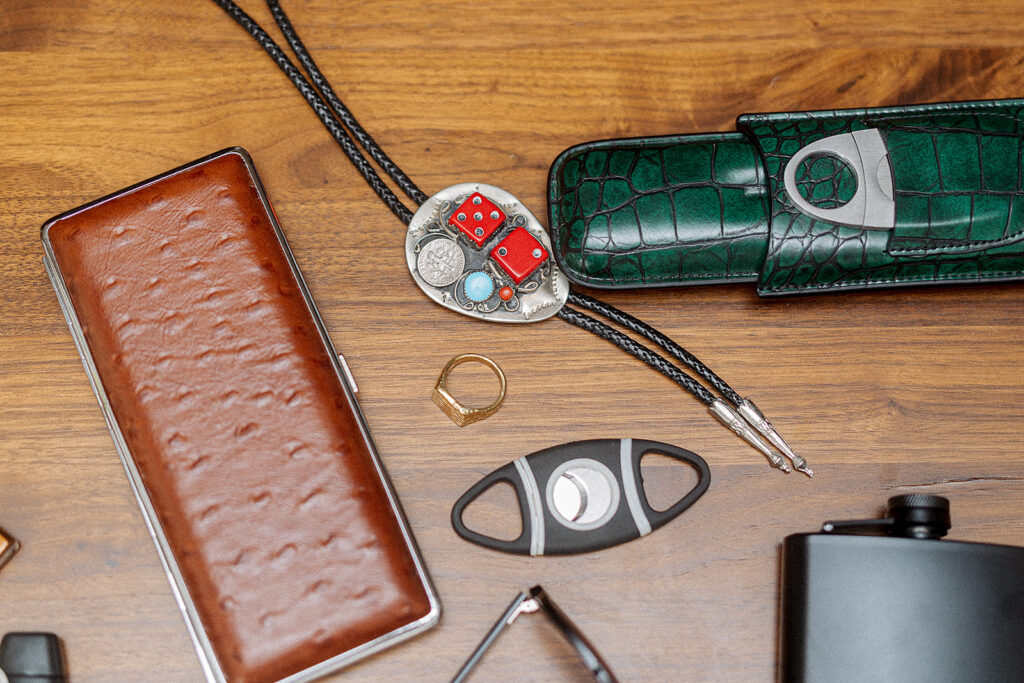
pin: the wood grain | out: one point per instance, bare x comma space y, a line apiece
888, 392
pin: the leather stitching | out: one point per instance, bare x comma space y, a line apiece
893, 281
668, 278
964, 247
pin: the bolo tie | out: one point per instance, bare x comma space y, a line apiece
478, 250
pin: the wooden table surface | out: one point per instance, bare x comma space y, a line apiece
914, 390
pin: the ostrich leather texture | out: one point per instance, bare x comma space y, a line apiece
957, 189
246, 442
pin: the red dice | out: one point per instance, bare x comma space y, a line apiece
519, 254
477, 218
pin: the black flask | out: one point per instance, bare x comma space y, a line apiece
901, 606
31, 658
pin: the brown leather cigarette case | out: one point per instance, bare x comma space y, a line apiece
237, 424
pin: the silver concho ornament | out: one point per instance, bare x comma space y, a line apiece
475, 248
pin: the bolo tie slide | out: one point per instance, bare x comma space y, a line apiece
476, 249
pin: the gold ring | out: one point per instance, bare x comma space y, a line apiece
460, 414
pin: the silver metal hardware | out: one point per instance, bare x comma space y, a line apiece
731, 419
348, 372
570, 496
526, 607
872, 206
758, 421
582, 494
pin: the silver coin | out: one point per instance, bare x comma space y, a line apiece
440, 262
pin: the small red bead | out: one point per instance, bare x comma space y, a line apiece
506, 293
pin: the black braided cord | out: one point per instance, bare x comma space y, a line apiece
327, 105
322, 110
637, 350
675, 350
340, 110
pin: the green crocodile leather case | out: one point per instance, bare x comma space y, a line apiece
800, 202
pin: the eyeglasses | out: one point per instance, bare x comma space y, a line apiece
537, 600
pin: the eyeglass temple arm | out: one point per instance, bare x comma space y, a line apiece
531, 601
588, 653
523, 602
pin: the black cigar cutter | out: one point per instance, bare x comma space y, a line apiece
581, 496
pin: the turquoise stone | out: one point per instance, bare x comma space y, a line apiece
479, 286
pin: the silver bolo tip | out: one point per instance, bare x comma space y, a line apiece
756, 418
731, 419
801, 466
